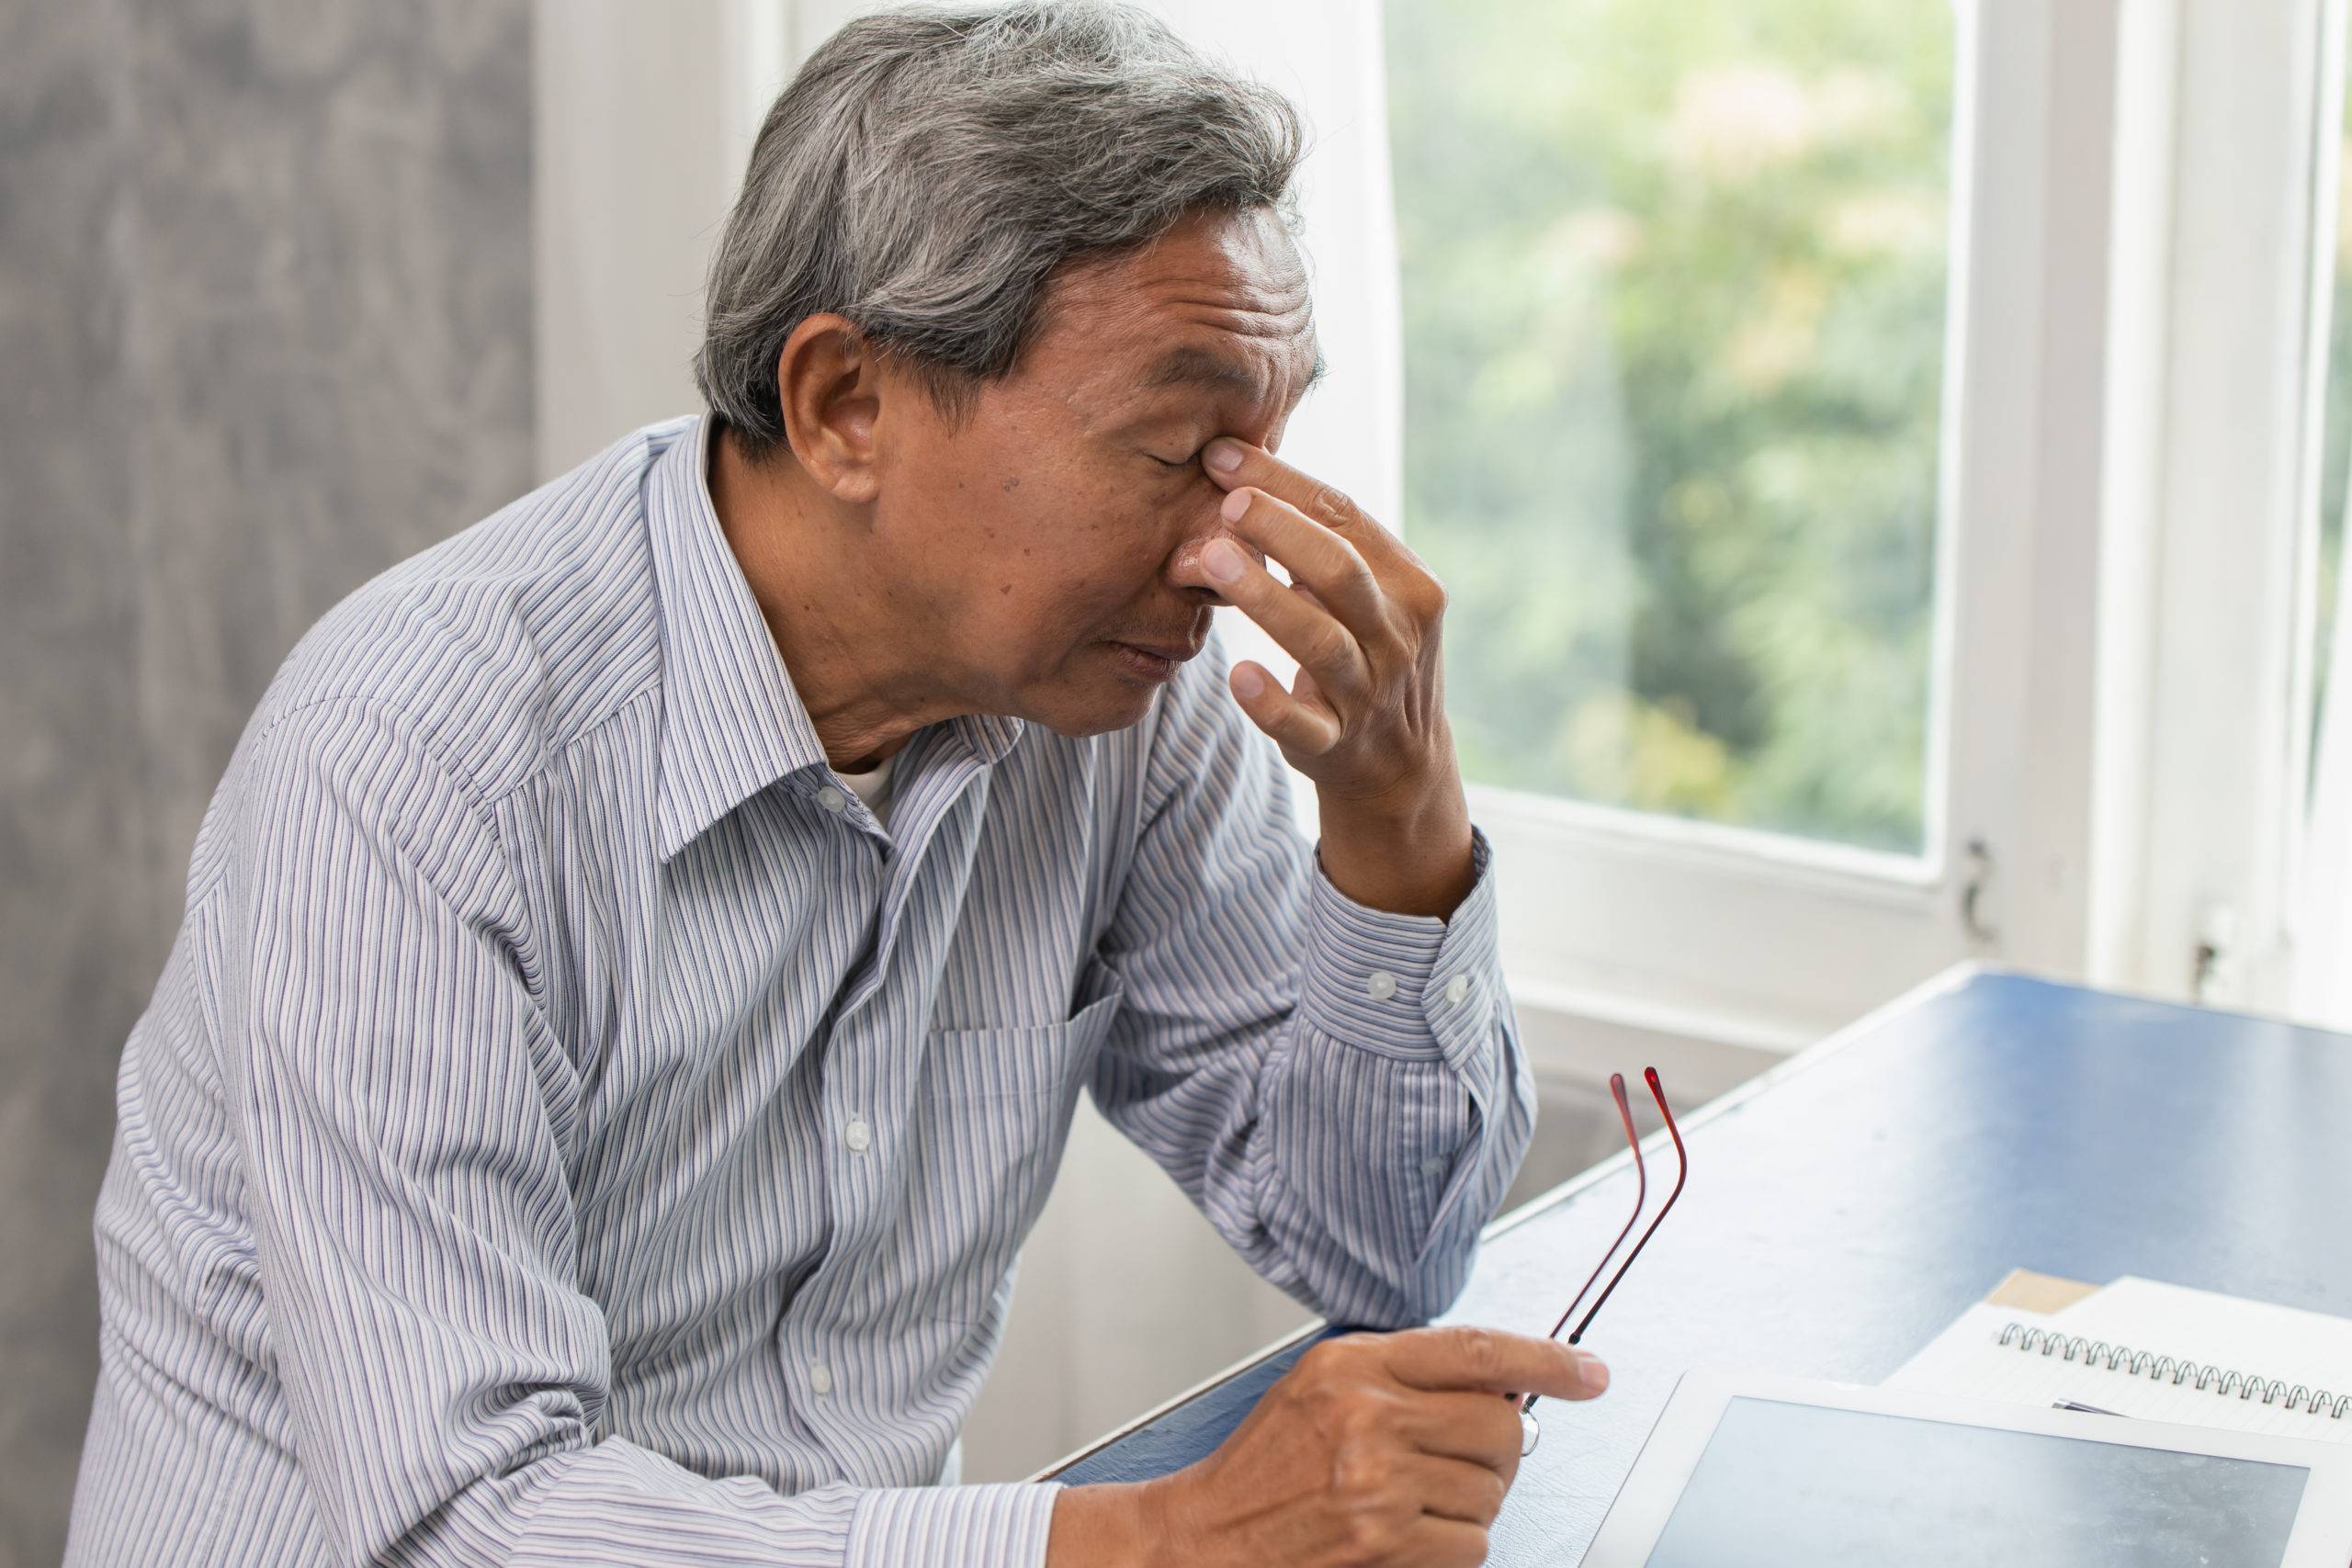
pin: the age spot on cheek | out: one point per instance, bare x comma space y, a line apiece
1010, 485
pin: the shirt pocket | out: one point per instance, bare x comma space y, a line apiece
990, 1124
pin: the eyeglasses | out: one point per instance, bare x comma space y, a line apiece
1530, 1430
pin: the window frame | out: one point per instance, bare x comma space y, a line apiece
2221, 474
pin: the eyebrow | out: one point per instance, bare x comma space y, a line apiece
1194, 367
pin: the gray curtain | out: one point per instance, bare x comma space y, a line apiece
265, 329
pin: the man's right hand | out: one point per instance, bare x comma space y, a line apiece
1375, 1450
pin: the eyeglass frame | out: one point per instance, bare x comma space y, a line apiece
1641, 1196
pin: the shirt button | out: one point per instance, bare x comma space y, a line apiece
832, 800
859, 1137
1457, 988
1380, 985
821, 1378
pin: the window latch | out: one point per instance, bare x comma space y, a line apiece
2217, 978
1972, 895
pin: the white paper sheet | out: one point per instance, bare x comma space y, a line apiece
2254, 1338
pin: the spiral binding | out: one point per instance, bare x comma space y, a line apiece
2155, 1367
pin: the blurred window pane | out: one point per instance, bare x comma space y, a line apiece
1674, 291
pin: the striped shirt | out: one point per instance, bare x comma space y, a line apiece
570, 1128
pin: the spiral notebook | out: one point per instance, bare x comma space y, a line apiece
2157, 1351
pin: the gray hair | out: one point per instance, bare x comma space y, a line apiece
929, 168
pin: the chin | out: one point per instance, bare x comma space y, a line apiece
1077, 715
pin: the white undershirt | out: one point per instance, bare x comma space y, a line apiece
874, 788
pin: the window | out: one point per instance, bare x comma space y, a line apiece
2240, 460
1674, 280
1754, 399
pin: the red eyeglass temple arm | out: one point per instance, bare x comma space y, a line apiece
1681, 1175
1641, 1192
1640, 1195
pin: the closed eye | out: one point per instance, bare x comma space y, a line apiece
1173, 462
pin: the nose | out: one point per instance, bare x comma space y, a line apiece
1185, 570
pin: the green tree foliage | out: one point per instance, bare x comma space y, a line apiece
1674, 286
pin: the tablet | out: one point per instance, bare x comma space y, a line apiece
1756, 1472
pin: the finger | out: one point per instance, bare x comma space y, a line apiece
1300, 728
1403, 575
1262, 470
1449, 1489
1305, 629
1475, 1427
1492, 1360
1313, 554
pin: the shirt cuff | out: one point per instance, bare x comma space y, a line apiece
1411, 986
953, 1527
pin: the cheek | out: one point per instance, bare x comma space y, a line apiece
1078, 564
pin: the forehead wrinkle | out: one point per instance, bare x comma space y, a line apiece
1261, 309
1190, 364
1220, 375
1211, 367
1228, 316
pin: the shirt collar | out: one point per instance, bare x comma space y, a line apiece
731, 722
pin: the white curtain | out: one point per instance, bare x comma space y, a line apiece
2322, 928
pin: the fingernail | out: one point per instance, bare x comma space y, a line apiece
1221, 561
1237, 501
1248, 683
1595, 1375
1223, 456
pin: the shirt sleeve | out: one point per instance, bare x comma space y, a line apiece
406, 1116
1339, 1089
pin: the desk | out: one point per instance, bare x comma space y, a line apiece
1847, 1205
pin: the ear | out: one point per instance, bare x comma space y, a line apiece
828, 380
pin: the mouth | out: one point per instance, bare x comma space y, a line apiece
1152, 661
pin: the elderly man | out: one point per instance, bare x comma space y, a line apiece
641, 961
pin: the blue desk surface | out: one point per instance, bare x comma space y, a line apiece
1846, 1206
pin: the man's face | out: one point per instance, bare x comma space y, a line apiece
1056, 531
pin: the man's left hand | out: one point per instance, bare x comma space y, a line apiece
1366, 718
